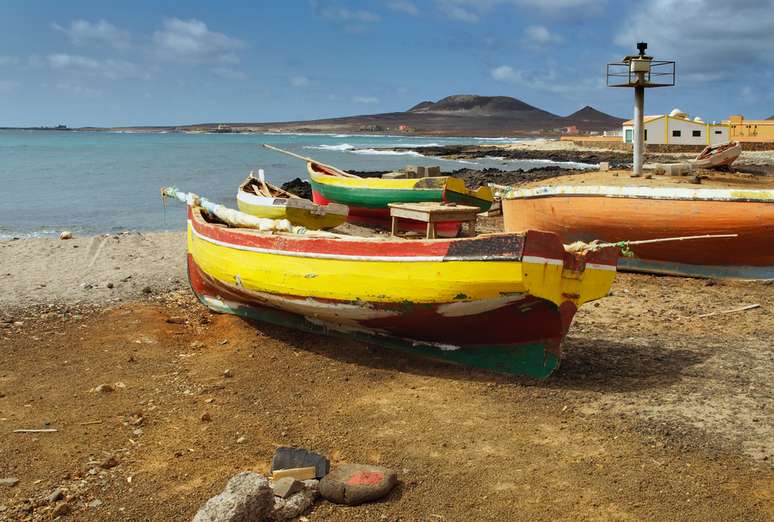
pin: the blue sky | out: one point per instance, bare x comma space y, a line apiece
86, 62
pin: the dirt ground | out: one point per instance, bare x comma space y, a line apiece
655, 414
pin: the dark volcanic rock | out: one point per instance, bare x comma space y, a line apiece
299, 187
289, 458
615, 159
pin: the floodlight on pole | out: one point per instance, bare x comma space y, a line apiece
640, 72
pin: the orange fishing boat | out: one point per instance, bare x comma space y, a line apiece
612, 213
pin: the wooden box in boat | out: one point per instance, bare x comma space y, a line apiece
502, 301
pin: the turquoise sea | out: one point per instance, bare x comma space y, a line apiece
101, 182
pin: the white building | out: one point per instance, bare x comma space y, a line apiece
678, 129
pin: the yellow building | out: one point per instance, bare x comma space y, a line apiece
750, 130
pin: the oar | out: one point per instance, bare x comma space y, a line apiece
310, 160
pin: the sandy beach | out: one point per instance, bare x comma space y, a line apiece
656, 413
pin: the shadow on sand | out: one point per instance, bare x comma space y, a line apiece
588, 364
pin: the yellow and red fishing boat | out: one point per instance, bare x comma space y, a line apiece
260, 198
624, 212
500, 301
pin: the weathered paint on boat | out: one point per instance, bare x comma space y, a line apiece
618, 213
502, 302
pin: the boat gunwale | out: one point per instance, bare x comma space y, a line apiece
640, 192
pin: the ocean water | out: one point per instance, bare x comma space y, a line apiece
102, 182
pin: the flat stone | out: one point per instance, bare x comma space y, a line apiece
285, 487
355, 484
287, 457
247, 497
9, 482
293, 506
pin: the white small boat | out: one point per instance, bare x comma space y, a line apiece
261, 199
721, 155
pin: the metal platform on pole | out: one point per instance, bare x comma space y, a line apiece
640, 72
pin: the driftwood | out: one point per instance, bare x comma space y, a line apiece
46, 430
732, 310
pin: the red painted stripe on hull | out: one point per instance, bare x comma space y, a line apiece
527, 320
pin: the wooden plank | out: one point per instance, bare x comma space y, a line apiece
296, 473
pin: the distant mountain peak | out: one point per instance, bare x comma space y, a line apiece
588, 116
474, 104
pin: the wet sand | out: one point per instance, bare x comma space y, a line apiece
655, 413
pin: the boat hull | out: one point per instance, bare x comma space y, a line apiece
614, 217
497, 303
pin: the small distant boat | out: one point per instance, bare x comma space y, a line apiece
714, 156
503, 302
635, 213
260, 198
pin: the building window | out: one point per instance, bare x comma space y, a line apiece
696, 134
646, 135
676, 133
718, 132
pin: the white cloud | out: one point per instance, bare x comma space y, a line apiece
353, 20
547, 80
368, 100
298, 81
228, 73
706, 37
8, 86
540, 35
110, 69
79, 90
83, 32
71, 61
403, 6
192, 41
8, 60
470, 11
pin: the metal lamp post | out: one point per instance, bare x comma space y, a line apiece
641, 72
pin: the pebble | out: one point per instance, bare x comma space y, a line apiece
355, 484
147, 290
228, 374
246, 497
66, 234
103, 388
241, 439
109, 285
206, 417
176, 320
287, 486
293, 506
55, 495
110, 462
9, 482
95, 503
61, 510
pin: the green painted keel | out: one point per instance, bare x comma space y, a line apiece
529, 359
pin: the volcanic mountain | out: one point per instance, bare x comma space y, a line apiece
461, 114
